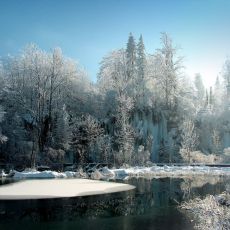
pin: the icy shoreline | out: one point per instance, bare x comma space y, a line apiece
45, 174
125, 173
176, 171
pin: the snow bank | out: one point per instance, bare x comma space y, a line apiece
3, 174
169, 171
120, 173
44, 174
124, 173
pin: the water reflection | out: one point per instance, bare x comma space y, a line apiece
4, 181
153, 205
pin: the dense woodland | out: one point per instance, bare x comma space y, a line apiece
142, 109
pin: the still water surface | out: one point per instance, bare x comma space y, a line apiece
152, 205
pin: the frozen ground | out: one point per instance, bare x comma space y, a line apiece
41, 189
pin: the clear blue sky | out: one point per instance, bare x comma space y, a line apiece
88, 29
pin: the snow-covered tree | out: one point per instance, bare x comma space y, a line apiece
141, 71
168, 71
226, 72
216, 141
117, 70
218, 95
189, 139
3, 138
61, 129
135, 109
200, 90
141, 59
108, 78
226, 76
210, 97
38, 85
124, 131
86, 131
131, 57
105, 149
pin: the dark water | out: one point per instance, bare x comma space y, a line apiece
152, 205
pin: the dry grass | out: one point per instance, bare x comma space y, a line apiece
199, 157
208, 213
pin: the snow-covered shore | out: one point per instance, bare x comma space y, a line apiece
45, 174
161, 171
125, 173
175, 171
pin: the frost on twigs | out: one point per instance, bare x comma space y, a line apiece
199, 157
209, 213
2, 137
226, 155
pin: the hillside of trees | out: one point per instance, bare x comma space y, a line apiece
142, 109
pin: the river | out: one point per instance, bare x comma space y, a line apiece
152, 205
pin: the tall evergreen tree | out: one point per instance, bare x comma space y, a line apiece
141, 68
218, 93
226, 76
141, 59
206, 98
199, 88
2, 137
210, 97
217, 86
131, 56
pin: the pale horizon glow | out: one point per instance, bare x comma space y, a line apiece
209, 70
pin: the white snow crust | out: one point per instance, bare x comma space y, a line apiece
58, 188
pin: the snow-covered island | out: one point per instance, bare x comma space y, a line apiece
46, 189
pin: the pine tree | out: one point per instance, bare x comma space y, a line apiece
217, 83
210, 97
206, 98
131, 56
141, 59
217, 95
2, 137
226, 72
200, 89
141, 68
